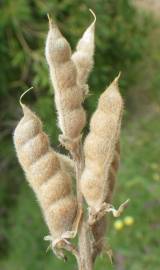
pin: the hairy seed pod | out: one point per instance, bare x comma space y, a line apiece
67, 164
99, 146
113, 172
83, 56
68, 93
99, 228
43, 170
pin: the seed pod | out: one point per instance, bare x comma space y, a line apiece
67, 164
99, 228
83, 56
42, 166
99, 147
68, 94
113, 172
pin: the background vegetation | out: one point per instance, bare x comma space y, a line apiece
126, 40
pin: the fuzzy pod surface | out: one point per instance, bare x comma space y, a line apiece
100, 227
63, 73
83, 56
44, 173
99, 146
67, 164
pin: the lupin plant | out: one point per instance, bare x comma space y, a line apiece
93, 162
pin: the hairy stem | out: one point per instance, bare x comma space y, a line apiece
84, 244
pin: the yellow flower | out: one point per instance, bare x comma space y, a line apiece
154, 166
128, 220
156, 176
118, 224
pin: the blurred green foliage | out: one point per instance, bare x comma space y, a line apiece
123, 40
120, 39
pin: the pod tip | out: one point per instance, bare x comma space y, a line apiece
94, 15
25, 92
117, 78
50, 20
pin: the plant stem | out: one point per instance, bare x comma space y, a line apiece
84, 244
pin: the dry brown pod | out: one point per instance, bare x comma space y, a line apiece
45, 174
83, 56
99, 147
67, 164
63, 73
99, 228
